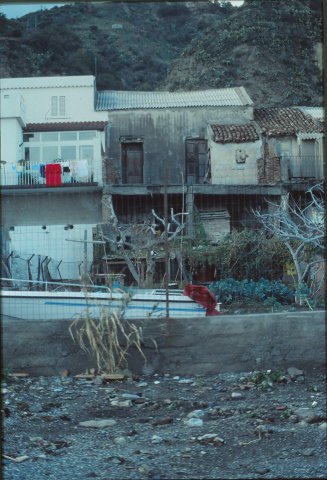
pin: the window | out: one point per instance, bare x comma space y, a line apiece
32, 154
58, 106
87, 135
49, 154
68, 136
68, 153
47, 147
49, 137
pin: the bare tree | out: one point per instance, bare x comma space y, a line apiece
301, 228
143, 240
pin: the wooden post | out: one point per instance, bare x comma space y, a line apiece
190, 211
167, 259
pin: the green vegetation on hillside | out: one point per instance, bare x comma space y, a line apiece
270, 47
266, 46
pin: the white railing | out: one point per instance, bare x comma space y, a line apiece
36, 173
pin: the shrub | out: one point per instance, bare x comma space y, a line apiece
231, 290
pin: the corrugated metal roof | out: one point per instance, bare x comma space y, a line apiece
285, 121
315, 112
129, 100
234, 133
64, 126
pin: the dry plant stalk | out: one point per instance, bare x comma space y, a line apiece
107, 338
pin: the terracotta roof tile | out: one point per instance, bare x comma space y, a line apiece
234, 133
64, 126
285, 121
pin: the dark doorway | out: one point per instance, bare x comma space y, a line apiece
132, 162
196, 160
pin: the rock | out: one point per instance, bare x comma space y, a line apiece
236, 395
186, 380
121, 403
156, 439
36, 408
210, 438
196, 414
308, 452
294, 372
194, 422
308, 415
302, 423
264, 429
262, 470
120, 440
323, 426
163, 421
130, 396
98, 423
116, 460
146, 469
142, 384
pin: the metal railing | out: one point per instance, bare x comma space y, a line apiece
304, 166
26, 172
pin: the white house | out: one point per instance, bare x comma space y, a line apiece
48, 121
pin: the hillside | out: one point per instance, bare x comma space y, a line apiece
269, 47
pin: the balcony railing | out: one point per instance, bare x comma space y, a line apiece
25, 173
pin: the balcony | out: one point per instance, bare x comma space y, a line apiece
29, 174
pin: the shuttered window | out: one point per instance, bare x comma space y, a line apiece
54, 106
58, 106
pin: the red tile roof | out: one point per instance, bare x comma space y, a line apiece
234, 133
285, 121
64, 126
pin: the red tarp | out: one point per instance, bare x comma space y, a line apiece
202, 295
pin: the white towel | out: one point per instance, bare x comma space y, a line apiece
82, 168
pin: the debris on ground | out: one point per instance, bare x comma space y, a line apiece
264, 424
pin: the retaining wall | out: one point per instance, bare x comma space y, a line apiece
226, 343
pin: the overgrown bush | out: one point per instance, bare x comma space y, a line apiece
245, 254
230, 290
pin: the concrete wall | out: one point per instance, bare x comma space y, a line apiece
35, 224
11, 138
164, 132
52, 208
186, 346
224, 167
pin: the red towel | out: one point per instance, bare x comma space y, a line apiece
202, 295
53, 174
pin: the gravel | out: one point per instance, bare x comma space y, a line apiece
165, 427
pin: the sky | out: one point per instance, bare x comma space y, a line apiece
15, 10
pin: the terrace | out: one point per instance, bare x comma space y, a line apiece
55, 158
26, 173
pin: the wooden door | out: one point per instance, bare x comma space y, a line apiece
132, 162
196, 160
308, 164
